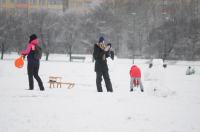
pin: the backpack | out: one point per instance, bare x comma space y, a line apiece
38, 52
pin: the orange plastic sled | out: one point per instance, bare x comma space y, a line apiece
19, 62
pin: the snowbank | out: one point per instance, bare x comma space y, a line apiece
83, 109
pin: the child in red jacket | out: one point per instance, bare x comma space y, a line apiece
135, 75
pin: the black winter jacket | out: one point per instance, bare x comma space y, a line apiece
31, 58
100, 63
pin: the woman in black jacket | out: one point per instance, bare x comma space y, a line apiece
101, 52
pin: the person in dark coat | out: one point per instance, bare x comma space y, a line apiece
33, 64
101, 52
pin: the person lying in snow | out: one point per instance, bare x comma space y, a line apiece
190, 71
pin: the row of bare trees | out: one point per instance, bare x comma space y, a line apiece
134, 27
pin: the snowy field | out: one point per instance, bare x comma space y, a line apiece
170, 103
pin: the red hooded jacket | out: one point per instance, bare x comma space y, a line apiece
135, 72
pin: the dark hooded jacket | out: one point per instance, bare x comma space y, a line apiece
100, 60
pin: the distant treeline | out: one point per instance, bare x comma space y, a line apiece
136, 28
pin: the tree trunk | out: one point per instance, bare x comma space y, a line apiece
2, 51
70, 53
47, 56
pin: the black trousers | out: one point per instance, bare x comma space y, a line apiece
106, 79
33, 68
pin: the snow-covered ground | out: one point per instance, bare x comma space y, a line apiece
173, 107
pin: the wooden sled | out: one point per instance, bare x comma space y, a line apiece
57, 81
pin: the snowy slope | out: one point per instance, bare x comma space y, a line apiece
174, 107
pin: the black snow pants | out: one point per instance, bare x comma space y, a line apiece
106, 77
33, 68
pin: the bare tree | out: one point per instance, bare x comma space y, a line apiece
50, 24
71, 24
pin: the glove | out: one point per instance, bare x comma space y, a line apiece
23, 56
112, 55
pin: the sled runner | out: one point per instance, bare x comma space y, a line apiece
57, 81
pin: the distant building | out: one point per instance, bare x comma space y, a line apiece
44, 4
